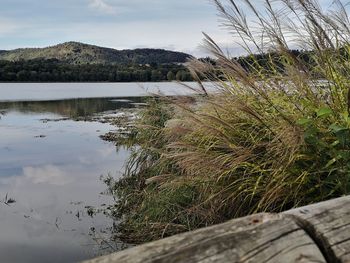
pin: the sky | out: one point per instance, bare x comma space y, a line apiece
121, 24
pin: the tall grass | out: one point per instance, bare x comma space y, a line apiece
276, 136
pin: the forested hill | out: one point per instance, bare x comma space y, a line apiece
79, 53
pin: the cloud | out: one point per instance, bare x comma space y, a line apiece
7, 26
48, 174
145, 34
102, 6
170, 24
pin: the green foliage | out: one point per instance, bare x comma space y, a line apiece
138, 198
182, 75
171, 76
275, 136
79, 53
54, 70
74, 62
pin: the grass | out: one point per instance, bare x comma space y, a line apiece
275, 136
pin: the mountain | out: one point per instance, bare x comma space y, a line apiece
80, 53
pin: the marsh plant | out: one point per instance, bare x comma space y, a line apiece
275, 136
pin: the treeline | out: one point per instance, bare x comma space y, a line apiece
271, 62
274, 62
53, 70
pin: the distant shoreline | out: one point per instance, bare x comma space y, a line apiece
97, 82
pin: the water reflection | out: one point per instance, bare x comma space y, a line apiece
71, 108
52, 170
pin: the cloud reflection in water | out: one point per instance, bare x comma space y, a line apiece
52, 179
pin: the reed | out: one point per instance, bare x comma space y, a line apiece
275, 136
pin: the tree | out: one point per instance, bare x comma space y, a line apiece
180, 75
156, 76
171, 76
23, 75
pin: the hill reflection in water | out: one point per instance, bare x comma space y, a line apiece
72, 108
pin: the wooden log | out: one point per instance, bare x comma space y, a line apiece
328, 223
257, 238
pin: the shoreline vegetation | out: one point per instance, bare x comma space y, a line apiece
79, 62
55, 70
263, 143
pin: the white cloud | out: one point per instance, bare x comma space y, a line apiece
7, 26
102, 6
186, 36
48, 174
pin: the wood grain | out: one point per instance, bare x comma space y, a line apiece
258, 238
328, 223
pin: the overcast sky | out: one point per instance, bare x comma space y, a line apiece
121, 24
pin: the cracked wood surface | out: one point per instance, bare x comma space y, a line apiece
257, 238
329, 224
315, 233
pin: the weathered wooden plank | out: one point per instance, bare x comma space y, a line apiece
328, 223
258, 238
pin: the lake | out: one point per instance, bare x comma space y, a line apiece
51, 164
56, 91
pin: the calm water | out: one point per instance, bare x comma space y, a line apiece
52, 168
52, 91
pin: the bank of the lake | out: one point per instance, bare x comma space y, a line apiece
51, 161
